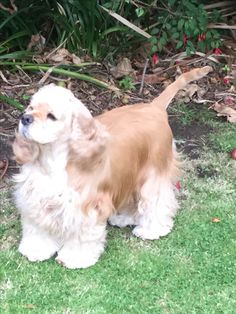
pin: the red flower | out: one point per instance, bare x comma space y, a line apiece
155, 59
218, 51
204, 36
185, 39
199, 37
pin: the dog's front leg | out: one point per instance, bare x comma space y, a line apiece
36, 244
83, 248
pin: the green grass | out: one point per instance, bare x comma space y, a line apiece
192, 270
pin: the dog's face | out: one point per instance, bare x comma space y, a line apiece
50, 115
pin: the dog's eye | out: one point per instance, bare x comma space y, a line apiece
51, 116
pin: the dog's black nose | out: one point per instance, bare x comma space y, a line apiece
27, 119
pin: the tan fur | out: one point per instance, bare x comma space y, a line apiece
78, 172
25, 151
116, 166
140, 139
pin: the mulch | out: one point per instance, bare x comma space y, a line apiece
20, 86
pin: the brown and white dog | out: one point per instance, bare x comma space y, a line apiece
78, 172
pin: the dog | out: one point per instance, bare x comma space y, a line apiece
79, 172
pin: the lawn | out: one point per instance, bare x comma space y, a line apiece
192, 270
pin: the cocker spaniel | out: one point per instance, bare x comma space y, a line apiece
78, 172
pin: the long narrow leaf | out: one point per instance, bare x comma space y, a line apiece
76, 75
17, 55
11, 101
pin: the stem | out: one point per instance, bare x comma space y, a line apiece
79, 76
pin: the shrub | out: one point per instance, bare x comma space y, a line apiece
84, 27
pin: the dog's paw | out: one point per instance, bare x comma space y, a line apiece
151, 233
76, 258
121, 220
36, 250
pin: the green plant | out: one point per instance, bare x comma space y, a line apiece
80, 26
184, 25
127, 83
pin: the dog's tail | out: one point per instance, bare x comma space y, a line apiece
164, 99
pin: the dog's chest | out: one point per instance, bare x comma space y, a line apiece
47, 198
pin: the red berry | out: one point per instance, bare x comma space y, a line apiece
178, 185
233, 154
226, 80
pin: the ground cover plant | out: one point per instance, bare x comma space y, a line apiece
189, 271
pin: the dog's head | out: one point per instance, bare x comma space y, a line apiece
50, 115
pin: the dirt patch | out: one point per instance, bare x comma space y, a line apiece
190, 138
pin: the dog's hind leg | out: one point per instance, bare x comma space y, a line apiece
157, 208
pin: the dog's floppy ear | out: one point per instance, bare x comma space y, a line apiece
88, 139
25, 151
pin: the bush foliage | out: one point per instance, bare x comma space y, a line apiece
84, 27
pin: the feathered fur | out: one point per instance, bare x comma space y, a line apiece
78, 172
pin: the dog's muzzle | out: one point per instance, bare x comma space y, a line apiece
27, 119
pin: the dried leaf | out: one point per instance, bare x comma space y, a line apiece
123, 68
76, 59
29, 306
2, 164
37, 43
215, 219
60, 56
226, 111
150, 78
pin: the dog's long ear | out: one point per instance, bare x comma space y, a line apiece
25, 151
88, 140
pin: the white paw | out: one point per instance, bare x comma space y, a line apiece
78, 258
37, 250
150, 233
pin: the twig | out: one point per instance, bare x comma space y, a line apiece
47, 74
218, 4
225, 94
10, 10
6, 162
143, 76
222, 26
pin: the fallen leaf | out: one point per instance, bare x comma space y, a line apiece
37, 43
150, 78
2, 164
29, 306
123, 68
215, 219
233, 154
60, 56
76, 59
224, 110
